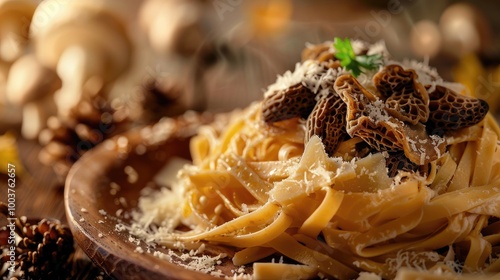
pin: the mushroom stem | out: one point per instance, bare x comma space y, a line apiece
11, 41
35, 116
75, 67
10, 117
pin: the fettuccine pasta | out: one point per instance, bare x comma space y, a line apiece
338, 213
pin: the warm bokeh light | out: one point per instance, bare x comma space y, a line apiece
269, 18
463, 28
425, 38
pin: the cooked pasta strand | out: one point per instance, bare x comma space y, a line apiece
251, 254
323, 214
266, 271
289, 247
257, 238
256, 186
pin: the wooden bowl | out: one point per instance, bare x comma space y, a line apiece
94, 207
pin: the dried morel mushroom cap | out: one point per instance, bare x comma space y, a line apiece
320, 53
420, 147
405, 98
398, 161
327, 120
450, 110
295, 101
368, 119
395, 114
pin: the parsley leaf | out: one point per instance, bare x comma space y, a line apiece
350, 61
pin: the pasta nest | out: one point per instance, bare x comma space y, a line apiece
303, 175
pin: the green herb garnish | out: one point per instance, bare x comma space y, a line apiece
353, 62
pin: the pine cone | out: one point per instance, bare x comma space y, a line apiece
44, 249
157, 99
96, 119
64, 141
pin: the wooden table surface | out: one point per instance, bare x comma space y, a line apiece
40, 194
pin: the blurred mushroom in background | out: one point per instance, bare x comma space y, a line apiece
34, 94
464, 29
15, 18
468, 36
175, 27
461, 39
212, 50
178, 31
425, 39
87, 45
81, 41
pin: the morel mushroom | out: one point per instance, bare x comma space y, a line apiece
368, 118
405, 98
450, 110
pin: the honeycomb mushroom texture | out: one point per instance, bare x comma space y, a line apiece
398, 161
366, 117
327, 120
451, 111
406, 98
391, 109
296, 101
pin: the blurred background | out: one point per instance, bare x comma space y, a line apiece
214, 54
76, 72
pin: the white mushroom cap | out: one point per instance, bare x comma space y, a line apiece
15, 17
4, 71
33, 93
173, 26
22, 88
76, 25
80, 41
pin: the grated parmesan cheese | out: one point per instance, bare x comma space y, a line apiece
120, 227
411, 259
427, 75
139, 250
202, 263
313, 75
160, 213
376, 111
303, 71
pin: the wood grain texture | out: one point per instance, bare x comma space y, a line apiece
92, 208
